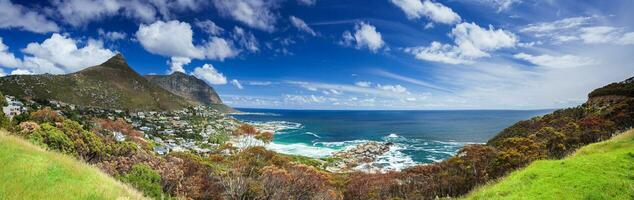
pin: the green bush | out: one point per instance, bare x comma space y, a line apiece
52, 138
219, 138
146, 180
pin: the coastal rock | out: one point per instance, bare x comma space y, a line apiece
361, 154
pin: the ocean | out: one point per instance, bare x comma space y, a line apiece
419, 137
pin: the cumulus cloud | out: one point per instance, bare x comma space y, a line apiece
219, 49
434, 11
112, 35
257, 14
56, 55
470, 42
175, 39
177, 64
210, 27
307, 2
8, 59
61, 54
237, 83
21, 72
365, 36
563, 61
172, 38
19, 17
301, 25
210, 75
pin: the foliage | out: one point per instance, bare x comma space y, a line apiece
219, 138
597, 171
52, 138
144, 179
46, 115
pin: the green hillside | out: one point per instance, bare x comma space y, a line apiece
602, 170
29, 172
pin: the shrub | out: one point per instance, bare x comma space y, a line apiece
144, 179
52, 138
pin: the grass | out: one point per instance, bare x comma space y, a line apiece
602, 170
29, 172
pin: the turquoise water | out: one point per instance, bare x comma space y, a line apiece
419, 136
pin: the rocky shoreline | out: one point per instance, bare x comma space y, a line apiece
361, 155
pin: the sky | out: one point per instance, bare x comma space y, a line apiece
339, 54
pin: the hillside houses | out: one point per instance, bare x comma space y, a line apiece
14, 107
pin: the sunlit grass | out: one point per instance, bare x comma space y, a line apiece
603, 170
29, 172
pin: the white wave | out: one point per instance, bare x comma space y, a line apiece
393, 160
301, 149
313, 134
275, 126
256, 113
341, 145
392, 135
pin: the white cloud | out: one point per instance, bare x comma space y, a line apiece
219, 49
246, 39
259, 83
365, 36
470, 42
237, 83
392, 88
175, 39
8, 59
81, 12
19, 17
584, 29
436, 12
307, 2
21, 72
564, 61
301, 25
549, 27
210, 27
172, 38
60, 54
363, 83
502, 5
210, 75
257, 14
410, 80
177, 63
112, 35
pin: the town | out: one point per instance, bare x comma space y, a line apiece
198, 129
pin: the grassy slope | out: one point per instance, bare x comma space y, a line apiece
29, 172
602, 170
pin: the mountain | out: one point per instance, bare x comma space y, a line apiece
187, 86
34, 173
112, 84
191, 88
596, 171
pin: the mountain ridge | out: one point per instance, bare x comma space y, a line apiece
112, 85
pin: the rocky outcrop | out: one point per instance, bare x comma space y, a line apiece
187, 86
358, 155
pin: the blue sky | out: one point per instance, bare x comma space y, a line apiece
323, 54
